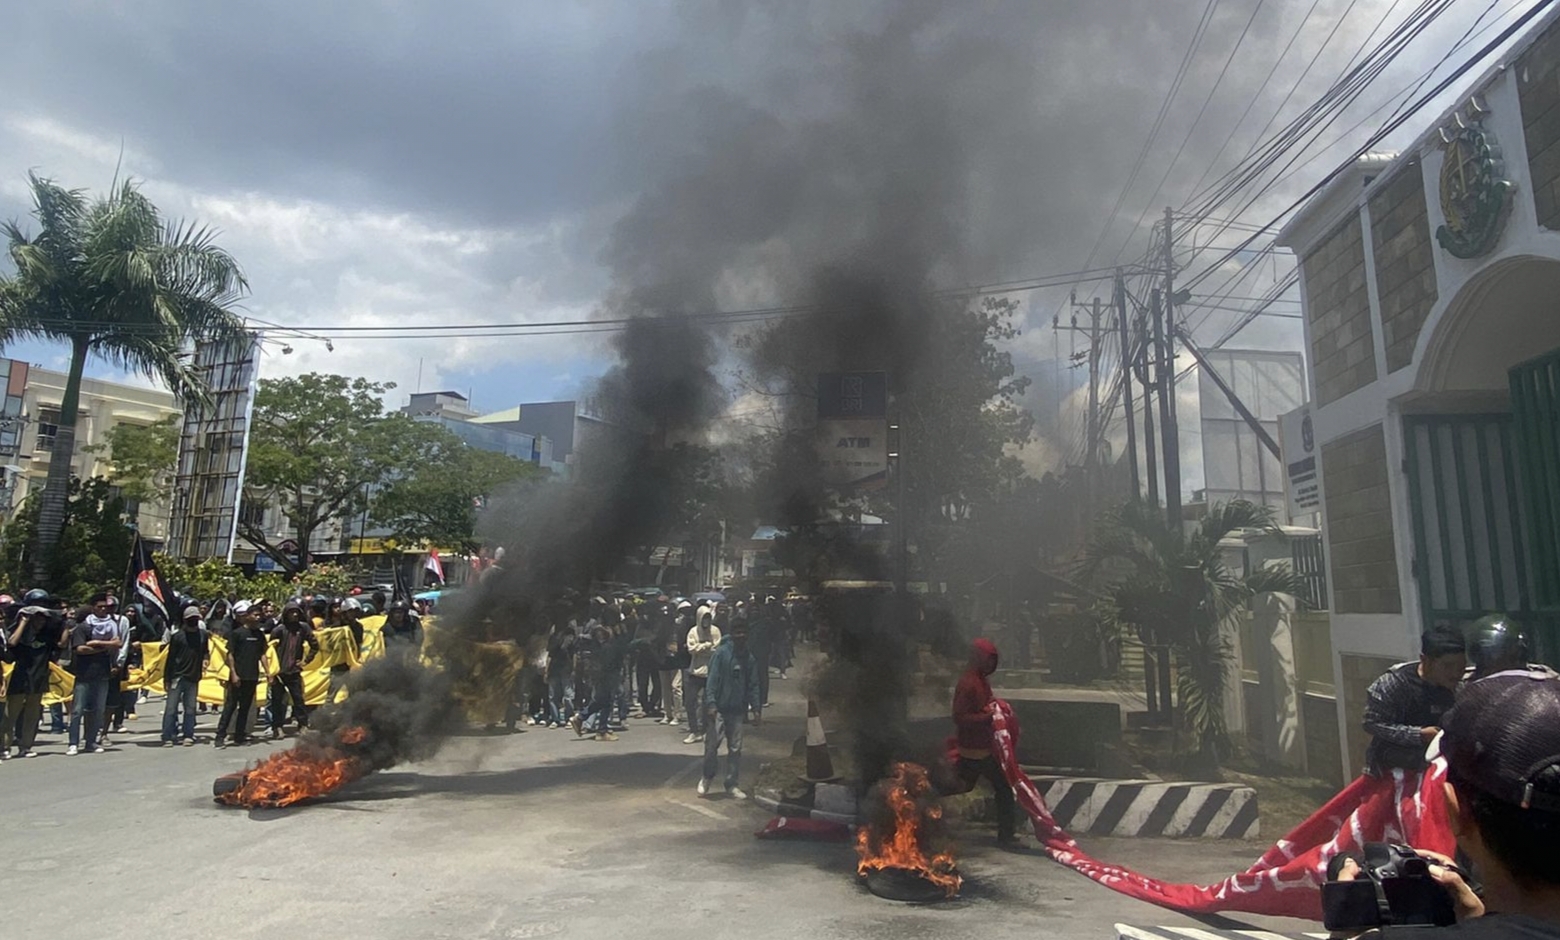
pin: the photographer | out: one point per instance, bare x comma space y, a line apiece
1403, 708
1502, 750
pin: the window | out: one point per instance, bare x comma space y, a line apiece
48, 426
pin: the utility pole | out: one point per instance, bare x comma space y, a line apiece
1091, 453
1126, 382
1150, 443
1164, 334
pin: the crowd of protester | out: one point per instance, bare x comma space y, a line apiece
101, 644
701, 665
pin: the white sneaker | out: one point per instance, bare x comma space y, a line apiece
70, 751
737, 794
692, 739
704, 787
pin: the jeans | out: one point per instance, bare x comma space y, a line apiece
726, 725
761, 663
22, 713
649, 678
972, 770
601, 705
693, 701
283, 689
240, 698
181, 695
671, 691
91, 699
560, 699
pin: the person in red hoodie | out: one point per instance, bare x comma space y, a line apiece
972, 700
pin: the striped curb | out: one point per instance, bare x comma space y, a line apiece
1151, 808
771, 801
1130, 932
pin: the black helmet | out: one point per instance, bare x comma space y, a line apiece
1496, 643
37, 597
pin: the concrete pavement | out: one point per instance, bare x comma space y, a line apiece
508, 836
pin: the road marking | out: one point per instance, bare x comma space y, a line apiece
702, 810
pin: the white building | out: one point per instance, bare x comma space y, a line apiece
1430, 281
103, 404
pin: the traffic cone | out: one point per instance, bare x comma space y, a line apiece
820, 767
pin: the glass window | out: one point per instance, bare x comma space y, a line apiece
48, 426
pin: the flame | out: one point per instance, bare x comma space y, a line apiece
301, 773
904, 792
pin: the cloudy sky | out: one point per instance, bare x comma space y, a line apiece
487, 162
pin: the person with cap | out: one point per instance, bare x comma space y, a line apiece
1403, 708
188, 651
351, 613
1497, 644
972, 712
246, 646
295, 645
402, 631
1501, 744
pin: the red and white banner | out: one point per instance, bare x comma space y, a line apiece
1406, 808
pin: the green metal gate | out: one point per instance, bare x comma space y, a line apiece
1469, 553
1535, 407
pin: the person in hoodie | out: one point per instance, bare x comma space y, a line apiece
730, 694
295, 645
702, 641
972, 701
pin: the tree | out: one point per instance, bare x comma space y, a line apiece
143, 456
436, 499
1177, 589
110, 278
93, 548
319, 445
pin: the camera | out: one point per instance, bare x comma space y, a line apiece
1393, 889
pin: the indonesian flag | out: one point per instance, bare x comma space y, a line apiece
434, 566
1406, 808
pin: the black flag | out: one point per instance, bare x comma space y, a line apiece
144, 583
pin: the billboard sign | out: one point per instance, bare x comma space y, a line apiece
1302, 478
213, 448
852, 441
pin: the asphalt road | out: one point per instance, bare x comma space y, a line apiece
509, 836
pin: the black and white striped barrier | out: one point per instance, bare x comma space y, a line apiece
1130, 932
1097, 807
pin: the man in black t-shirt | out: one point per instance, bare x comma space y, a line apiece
188, 650
246, 645
94, 643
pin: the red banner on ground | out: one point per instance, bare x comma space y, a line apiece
1406, 808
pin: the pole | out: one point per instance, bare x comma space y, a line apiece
1126, 384
1150, 442
1091, 459
1164, 333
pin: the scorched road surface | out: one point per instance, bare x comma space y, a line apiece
507, 836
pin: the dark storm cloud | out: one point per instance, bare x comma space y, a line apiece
493, 113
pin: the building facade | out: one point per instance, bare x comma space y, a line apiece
28, 427
1429, 280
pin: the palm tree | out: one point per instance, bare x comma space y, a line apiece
1178, 589
109, 277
